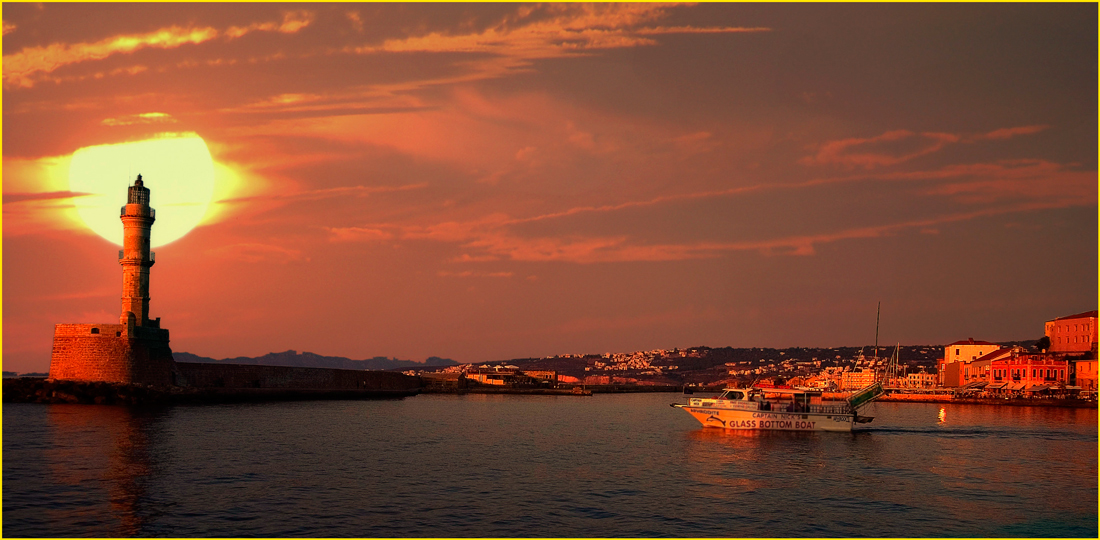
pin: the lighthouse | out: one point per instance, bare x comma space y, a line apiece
136, 349
135, 257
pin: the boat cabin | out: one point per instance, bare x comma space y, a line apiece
767, 399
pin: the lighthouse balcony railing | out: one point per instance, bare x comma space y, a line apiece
152, 255
152, 212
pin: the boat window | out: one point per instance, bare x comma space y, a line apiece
732, 395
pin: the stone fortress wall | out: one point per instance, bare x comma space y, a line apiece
242, 376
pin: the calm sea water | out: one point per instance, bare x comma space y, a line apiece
542, 466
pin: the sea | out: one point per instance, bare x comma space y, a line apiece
608, 465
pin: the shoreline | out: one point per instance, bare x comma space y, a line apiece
1010, 402
35, 390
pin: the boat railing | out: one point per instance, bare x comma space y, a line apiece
814, 409
830, 409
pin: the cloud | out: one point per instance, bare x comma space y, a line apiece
650, 202
327, 193
1032, 180
45, 196
1010, 186
8, 28
543, 32
357, 234
292, 22
256, 252
470, 273
143, 118
696, 30
356, 20
899, 146
21, 67
568, 29
97, 293
1008, 133
890, 148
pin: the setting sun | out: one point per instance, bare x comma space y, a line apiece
178, 166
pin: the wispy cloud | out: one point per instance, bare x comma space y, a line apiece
471, 273
327, 193
292, 22
357, 234
252, 252
890, 148
554, 31
101, 292
538, 32
1008, 133
142, 118
21, 68
45, 196
899, 146
998, 188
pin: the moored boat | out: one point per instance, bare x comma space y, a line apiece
780, 410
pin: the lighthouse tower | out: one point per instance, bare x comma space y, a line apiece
135, 257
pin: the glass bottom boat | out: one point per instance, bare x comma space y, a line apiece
779, 409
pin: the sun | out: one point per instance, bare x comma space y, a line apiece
177, 169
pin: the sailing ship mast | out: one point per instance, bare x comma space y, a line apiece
878, 311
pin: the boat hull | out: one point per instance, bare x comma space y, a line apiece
718, 417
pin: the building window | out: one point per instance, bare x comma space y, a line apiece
95, 330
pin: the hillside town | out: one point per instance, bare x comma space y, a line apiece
1062, 363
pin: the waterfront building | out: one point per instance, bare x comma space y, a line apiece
509, 376
1073, 333
1024, 373
1084, 374
444, 381
962, 351
856, 379
921, 380
967, 372
550, 377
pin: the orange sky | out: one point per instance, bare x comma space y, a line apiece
484, 182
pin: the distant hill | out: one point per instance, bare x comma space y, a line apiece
307, 359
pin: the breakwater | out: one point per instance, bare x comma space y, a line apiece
380, 385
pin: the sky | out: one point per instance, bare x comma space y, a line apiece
496, 181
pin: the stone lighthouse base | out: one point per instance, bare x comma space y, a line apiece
115, 353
